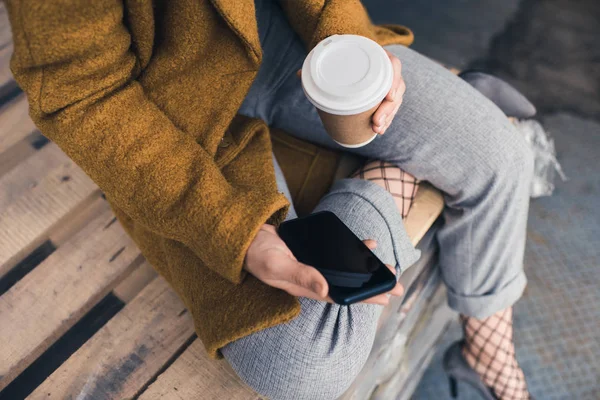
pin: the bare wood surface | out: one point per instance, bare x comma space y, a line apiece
135, 282
17, 131
426, 207
32, 170
17, 153
193, 375
54, 296
420, 345
27, 222
127, 353
6, 49
15, 124
63, 232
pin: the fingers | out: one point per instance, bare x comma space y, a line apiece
383, 117
309, 278
298, 279
268, 228
381, 299
384, 298
370, 243
299, 73
398, 290
396, 83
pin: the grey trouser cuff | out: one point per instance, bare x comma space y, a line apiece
483, 306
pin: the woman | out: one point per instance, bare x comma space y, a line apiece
165, 104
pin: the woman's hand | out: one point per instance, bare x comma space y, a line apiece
382, 118
271, 261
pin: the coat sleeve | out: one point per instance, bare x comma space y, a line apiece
314, 20
73, 59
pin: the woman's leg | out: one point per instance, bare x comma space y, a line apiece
319, 354
449, 134
446, 133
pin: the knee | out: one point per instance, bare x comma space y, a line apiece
312, 373
511, 165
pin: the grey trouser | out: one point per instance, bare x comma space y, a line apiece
445, 133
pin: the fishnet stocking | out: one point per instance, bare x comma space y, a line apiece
400, 184
490, 351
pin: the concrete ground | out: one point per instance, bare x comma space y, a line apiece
548, 49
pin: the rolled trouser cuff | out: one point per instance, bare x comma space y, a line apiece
483, 306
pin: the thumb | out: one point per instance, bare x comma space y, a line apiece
310, 279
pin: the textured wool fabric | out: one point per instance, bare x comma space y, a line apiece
143, 96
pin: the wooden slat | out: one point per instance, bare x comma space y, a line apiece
195, 376
27, 222
32, 169
7, 82
127, 353
15, 124
134, 283
17, 153
76, 221
426, 208
54, 296
6, 49
416, 354
17, 132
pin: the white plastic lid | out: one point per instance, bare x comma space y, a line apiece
347, 74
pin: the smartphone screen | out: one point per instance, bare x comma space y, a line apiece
352, 271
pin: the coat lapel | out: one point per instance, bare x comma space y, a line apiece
240, 15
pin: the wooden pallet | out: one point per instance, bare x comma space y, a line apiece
82, 314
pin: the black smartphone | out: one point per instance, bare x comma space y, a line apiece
352, 271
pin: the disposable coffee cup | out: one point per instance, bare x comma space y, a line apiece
346, 77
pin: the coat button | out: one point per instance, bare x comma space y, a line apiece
226, 140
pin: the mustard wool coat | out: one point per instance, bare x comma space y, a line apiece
143, 95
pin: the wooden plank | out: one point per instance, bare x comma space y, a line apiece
27, 222
15, 124
426, 208
193, 375
32, 170
6, 49
7, 83
17, 153
76, 221
53, 297
411, 360
134, 283
127, 353
17, 132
